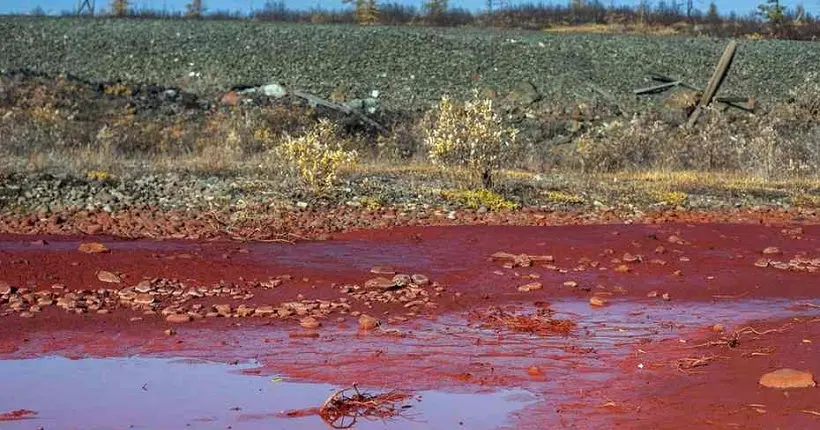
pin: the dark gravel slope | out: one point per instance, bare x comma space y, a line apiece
408, 66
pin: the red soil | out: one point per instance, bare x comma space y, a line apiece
698, 265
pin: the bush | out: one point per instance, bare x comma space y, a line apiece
318, 155
470, 135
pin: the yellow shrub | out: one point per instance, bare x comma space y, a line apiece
117, 89
474, 199
671, 198
470, 135
563, 198
318, 155
97, 175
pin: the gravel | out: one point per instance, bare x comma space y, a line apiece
409, 66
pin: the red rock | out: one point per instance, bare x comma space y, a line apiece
366, 322
379, 283
787, 378
178, 318
93, 248
310, 323
532, 286
106, 276
597, 301
231, 98
772, 250
382, 270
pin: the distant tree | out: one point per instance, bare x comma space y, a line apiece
119, 7
712, 15
773, 12
194, 9
435, 8
37, 11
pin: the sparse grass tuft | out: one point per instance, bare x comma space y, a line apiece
558, 197
475, 199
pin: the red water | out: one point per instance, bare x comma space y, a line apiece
588, 379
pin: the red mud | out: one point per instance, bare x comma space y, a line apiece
707, 270
19, 414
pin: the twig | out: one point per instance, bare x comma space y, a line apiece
810, 412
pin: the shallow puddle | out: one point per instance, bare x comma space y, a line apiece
151, 393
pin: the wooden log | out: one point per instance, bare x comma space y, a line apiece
341, 108
714, 82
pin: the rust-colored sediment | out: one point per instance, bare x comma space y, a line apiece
671, 282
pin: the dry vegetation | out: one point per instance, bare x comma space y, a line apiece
62, 125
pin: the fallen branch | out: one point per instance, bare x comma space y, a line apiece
350, 403
340, 108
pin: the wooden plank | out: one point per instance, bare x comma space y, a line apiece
714, 82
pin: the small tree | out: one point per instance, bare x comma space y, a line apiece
470, 135
366, 11
194, 9
773, 12
435, 9
119, 8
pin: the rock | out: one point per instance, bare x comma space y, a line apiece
93, 248
630, 258
772, 250
787, 378
382, 270
5, 288
652, 294
570, 284
524, 94
420, 279
532, 286
541, 258
109, 277
26, 315
170, 332
534, 371
223, 309
666, 296
402, 280
263, 311
231, 98
622, 268
143, 287
144, 299
178, 318
309, 323
762, 263
597, 301
503, 256
243, 310
366, 322
379, 284
718, 328
274, 90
